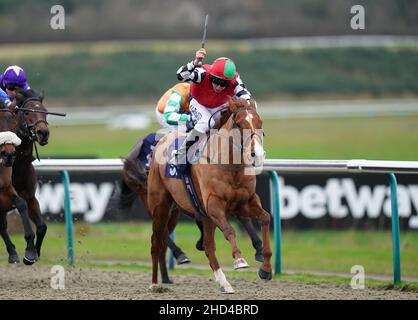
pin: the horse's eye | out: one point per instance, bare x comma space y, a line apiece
26, 113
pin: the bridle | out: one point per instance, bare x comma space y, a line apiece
254, 133
28, 129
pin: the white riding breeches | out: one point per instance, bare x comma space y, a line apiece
201, 115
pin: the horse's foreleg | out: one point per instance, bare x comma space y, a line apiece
255, 239
41, 228
217, 214
178, 253
210, 248
199, 243
10, 247
31, 254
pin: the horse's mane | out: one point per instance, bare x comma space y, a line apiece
30, 93
233, 105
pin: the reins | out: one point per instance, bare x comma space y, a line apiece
27, 130
254, 133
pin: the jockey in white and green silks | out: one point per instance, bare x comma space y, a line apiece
172, 109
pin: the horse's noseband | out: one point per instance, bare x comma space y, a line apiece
29, 129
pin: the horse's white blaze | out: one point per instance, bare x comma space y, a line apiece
249, 118
258, 149
221, 279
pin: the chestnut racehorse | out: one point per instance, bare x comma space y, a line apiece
222, 188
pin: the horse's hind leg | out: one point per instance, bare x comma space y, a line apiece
162, 261
217, 214
255, 239
10, 247
35, 215
31, 254
160, 215
265, 271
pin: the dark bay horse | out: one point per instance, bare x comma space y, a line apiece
223, 189
32, 127
9, 199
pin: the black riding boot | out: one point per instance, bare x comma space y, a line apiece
181, 155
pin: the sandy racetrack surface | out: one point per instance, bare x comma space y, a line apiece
23, 282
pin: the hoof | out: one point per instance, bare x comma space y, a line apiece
259, 258
157, 288
199, 245
240, 264
182, 259
264, 275
227, 289
167, 281
31, 256
14, 259
28, 262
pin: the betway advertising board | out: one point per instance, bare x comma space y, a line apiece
307, 201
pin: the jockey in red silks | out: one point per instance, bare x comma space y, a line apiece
211, 86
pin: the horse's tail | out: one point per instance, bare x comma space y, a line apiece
134, 177
123, 195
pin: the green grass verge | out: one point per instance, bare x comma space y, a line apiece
328, 251
363, 138
134, 72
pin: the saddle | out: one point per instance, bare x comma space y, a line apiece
185, 176
145, 153
145, 157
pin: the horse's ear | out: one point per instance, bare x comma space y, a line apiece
19, 96
42, 95
232, 102
252, 103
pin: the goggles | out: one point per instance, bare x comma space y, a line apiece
12, 86
219, 82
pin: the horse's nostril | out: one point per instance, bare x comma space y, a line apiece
43, 134
8, 157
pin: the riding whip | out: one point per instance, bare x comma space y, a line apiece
204, 37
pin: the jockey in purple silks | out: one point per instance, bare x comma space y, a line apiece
13, 77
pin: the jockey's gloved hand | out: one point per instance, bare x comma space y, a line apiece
189, 125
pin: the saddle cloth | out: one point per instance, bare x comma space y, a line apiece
195, 150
